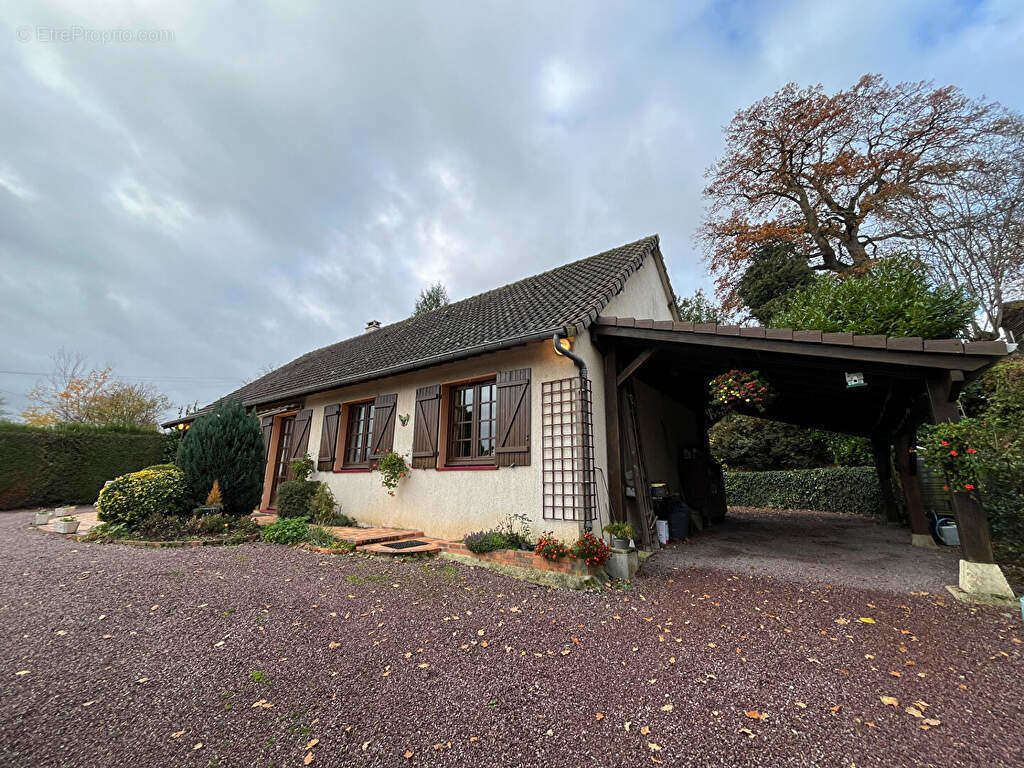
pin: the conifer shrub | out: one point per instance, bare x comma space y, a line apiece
225, 445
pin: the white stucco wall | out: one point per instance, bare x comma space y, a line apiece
450, 504
643, 296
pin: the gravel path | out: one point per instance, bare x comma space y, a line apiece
244, 656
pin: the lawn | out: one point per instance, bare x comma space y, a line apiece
262, 655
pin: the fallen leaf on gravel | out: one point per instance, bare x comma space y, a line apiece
177, 734
890, 701
599, 716
142, 680
89, 703
841, 620
653, 747
197, 746
262, 704
645, 730
865, 620
423, 666
894, 673
800, 704
626, 725
921, 704
753, 714
473, 738
712, 645
747, 731
21, 672
931, 721
308, 758
915, 712
332, 645
656, 760
409, 753
667, 708
566, 651
312, 743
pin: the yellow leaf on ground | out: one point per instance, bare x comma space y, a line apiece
890, 701
645, 730
312, 743
599, 716
408, 754
753, 714
308, 758
800, 704
177, 734
865, 620
653, 747
914, 712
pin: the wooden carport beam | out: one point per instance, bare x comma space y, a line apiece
972, 522
906, 465
883, 468
632, 368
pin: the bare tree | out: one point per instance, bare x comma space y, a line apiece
831, 174
973, 229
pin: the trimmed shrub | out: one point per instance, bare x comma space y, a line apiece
485, 541
322, 506
294, 497
169, 465
68, 464
134, 497
292, 530
225, 445
851, 490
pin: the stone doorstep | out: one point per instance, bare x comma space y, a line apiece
361, 537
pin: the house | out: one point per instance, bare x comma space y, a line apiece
474, 395
578, 396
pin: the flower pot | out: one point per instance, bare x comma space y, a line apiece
527, 547
65, 526
620, 543
64, 511
42, 518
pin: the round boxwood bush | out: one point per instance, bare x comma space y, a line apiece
131, 498
294, 496
485, 541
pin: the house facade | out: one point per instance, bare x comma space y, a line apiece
488, 414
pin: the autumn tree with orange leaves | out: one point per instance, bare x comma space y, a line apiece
835, 175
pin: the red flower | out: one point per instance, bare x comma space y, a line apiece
971, 450
945, 487
953, 453
968, 486
945, 442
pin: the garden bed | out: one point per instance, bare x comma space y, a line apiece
221, 541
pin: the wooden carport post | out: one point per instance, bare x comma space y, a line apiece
883, 468
979, 574
612, 434
906, 465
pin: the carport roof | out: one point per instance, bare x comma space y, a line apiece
805, 367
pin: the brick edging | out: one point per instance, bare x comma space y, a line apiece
522, 559
178, 544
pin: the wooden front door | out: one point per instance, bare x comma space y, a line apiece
283, 457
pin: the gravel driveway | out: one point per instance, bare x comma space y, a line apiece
261, 655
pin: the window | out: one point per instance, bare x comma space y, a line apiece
359, 434
472, 423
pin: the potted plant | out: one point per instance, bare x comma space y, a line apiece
65, 525
67, 509
42, 516
621, 534
213, 505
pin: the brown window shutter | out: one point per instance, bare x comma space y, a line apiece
329, 438
513, 418
300, 434
424, 429
383, 424
267, 426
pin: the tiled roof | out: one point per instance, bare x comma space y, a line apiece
891, 343
529, 309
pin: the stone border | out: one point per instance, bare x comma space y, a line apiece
590, 578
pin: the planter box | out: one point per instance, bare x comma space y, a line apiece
525, 559
42, 518
65, 511
65, 526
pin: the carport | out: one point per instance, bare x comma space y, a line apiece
879, 387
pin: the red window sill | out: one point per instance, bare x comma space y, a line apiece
467, 468
353, 469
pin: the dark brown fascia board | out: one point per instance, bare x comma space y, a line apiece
917, 359
383, 373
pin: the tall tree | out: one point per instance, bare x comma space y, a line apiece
74, 394
431, 298
973, 229
833, 174
701, 308
774, 273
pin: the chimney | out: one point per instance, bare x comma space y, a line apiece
372, 325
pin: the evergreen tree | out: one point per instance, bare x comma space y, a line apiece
431, 298
226, 446
774, 273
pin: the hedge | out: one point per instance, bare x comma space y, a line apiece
853, 490
45, 466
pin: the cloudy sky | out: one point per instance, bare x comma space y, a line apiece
257, 182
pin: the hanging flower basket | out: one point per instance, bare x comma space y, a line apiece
743, 391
